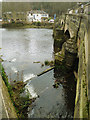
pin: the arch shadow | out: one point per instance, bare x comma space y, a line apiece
67, 33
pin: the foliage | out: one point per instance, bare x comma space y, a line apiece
5, 78
31, 25
46, 62
88, 13
51, 63
87, 106
38, 23
51, 7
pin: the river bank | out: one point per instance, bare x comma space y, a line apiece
7, 105
28, 25
16, 104
7, 108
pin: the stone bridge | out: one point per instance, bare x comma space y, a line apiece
71, 38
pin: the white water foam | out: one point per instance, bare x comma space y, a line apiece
31, 90
28, 77
32, 112
44, 90
14, 69
13, 60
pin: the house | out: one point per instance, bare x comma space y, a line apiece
71, 11
36, 15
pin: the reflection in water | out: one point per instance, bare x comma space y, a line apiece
20, 51
69, 90
69, 87
27, 77
53, 102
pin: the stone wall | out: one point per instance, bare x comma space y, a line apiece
81, 102
71, 33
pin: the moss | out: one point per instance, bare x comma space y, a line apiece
84, 84
86, 92
51, 63
61, 68
87, 106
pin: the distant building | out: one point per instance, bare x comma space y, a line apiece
29, 16
71, 11
36, 15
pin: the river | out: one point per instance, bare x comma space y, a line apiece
21, 48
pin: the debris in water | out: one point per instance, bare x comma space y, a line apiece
37, 62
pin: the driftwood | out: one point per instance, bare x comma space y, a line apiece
47, 70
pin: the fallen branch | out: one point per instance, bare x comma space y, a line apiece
47, 70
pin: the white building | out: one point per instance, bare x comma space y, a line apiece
36, 15
71, 11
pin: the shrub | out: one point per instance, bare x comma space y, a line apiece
38, 23
46, 62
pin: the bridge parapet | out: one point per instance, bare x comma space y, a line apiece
88, 66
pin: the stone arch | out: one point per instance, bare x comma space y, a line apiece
67, 33
62, 22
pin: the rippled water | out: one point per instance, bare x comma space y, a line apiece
22, 47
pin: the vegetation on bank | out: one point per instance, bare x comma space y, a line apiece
27, 25
46, 63
51, 63
20, 103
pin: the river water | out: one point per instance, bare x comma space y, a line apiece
21, 48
